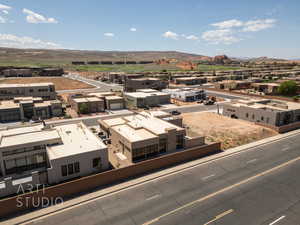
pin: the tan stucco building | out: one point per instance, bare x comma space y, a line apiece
43, 90
48, 155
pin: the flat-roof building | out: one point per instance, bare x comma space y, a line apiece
142, 136
186, 94
190, 80
26, 108
271, 112
49, 155
43, 90
144, 83
146, 98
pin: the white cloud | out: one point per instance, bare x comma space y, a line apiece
13, 41
228, 24
222, 36
33, 17
191, 37
229, 31
4, 7
133, 29
257, 25
170, 34
4, 10
109, 34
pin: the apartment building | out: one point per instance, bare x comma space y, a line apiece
26, 108
186, 94
146, 98
48, 155
43, 90
139, 137
271, 112
132, 85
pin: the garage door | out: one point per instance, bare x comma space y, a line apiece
116, 106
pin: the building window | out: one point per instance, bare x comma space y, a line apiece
179, 141
253, 116
262, 118
22, 164
77, 167
97, 163
70, 169
268, 119
247, 115
64, 170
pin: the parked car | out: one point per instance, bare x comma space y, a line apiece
175, 112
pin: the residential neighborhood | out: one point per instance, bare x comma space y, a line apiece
149, 112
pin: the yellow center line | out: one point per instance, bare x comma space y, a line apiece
220, 216
222, 190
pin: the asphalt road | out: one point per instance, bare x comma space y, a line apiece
231, 191
99, 86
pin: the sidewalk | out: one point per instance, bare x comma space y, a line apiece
141, 180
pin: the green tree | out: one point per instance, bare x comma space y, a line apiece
288, 88
83, 108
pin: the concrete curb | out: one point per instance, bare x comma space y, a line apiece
142, 180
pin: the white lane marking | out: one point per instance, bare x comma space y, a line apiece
276, 221
285, 149
220, 216
222, 191
252, 161
207, 177
72, 206
152, 197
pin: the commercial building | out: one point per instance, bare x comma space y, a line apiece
186, 94
26, 108
43, 90
271, 112
39, 155
139, 137
144, 83
146, 98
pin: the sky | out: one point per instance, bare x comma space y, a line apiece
237, 28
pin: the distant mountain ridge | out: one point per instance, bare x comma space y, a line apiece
13, 54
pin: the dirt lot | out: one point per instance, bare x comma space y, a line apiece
60, 83
218, 128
